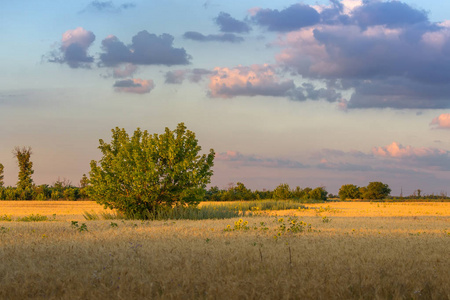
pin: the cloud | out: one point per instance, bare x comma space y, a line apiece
106, 6
391, 14
73, 49
256, 80
230, 24
224, 37
237, 159
123, 71
175, 77
409, 157
292, 18
383, 60
193, 75
441, 122
145, 49
135, 85
399, 151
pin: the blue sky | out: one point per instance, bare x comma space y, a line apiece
306, 93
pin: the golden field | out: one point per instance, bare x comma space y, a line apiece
353, 250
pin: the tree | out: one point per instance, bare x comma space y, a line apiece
23, 155
349, 191
376, 191
282, 192
141, 174
318, 193
1, 176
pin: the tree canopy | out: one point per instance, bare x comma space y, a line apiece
142, 173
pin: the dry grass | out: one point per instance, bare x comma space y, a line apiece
397, 251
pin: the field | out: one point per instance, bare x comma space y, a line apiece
339, 250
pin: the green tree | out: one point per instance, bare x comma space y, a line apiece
141, 174
282, 191
318, 193
349, 191
376, 191
25, 182
1, 176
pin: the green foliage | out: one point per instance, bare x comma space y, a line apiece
375, 191
318, 193
33, 218
6, 218
80, 228
282, 192
349, 191
138, 175
25, 182
1, 175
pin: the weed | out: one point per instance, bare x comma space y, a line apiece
4, 229
326, 220
80, 228
6, 218
113, 225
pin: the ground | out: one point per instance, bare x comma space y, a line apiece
341, 250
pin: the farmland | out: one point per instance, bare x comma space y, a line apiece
342, 250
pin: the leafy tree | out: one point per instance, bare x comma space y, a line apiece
282, 191
376, 191
349, 191
318, 193
25, 182
1, 176
141, 174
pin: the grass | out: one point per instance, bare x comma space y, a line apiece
393, 251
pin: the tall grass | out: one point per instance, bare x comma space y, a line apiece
205, 212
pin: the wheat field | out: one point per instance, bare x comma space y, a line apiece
341, 250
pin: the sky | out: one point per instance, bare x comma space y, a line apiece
310, 93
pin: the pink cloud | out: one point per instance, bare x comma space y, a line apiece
442, 121
398, 151
135, 85
79, 36
124, 71
248, 81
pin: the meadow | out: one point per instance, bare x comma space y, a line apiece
338, 250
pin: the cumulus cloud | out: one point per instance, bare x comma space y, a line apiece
256, 80
292, 18
135, 85
399, 151
224, 37
106, 6
145, 49
391, 14
441, 122
73, 49
387, 54
238, 159
229, 24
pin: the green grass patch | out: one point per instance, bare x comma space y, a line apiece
32, 218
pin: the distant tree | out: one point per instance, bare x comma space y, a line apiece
318, 193
1, 176
419, 191
349, 191
84, 181
25, 182
376, 191
143, 173
282, 191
